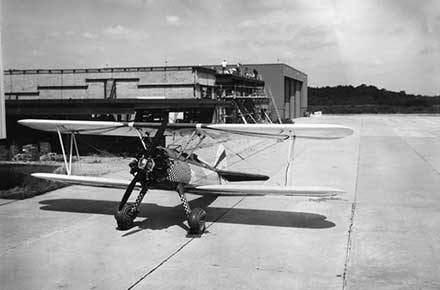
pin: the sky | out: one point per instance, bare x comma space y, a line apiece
392, 44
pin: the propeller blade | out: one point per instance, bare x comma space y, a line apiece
156, 140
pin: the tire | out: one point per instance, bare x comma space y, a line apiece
125, 217
196, 221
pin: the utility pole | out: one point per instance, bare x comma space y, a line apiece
2, 95
165, 78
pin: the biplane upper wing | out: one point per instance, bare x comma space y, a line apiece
279, 131
219, 189
81, 127
131, 129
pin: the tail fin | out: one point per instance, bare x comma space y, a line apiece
220, 159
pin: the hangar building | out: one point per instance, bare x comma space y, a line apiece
202, 93
246, 93
286, 86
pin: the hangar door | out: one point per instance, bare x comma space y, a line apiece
292, 98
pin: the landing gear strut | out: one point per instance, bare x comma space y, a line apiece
145, 171
196, 217
127, 212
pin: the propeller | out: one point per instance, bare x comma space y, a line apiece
125, 214
140, 174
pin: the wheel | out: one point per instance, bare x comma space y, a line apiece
196, 221
125, 216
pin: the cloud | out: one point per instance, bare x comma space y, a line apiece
173, 20
388, 36
87, 35
120, 31
131, 2
54, 34
248, 23
38, 53
430, 49
71, 33
90, 50
422, 15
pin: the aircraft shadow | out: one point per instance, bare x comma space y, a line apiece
160, 217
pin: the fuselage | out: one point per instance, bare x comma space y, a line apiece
188, 172
192, 171
196, 173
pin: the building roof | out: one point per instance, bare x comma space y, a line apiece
278, 64
109, 70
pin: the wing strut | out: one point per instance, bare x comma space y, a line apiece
140, 138
288, 179
73, 143
197, 133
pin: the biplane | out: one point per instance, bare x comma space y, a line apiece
179, 168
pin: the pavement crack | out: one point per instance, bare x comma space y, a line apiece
349, 244
222, 215
353, 211
8, 202
160, 264
179, 249
420, 155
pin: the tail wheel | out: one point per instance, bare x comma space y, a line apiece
125, 216
196, 221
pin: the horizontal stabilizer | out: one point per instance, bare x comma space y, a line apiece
84, 180
257, 190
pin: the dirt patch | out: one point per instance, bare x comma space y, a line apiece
17, 182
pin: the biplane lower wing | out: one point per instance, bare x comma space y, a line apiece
84, 180
220, 189
258, 190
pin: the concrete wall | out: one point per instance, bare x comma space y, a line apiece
168, 82
272, 74
204, 78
